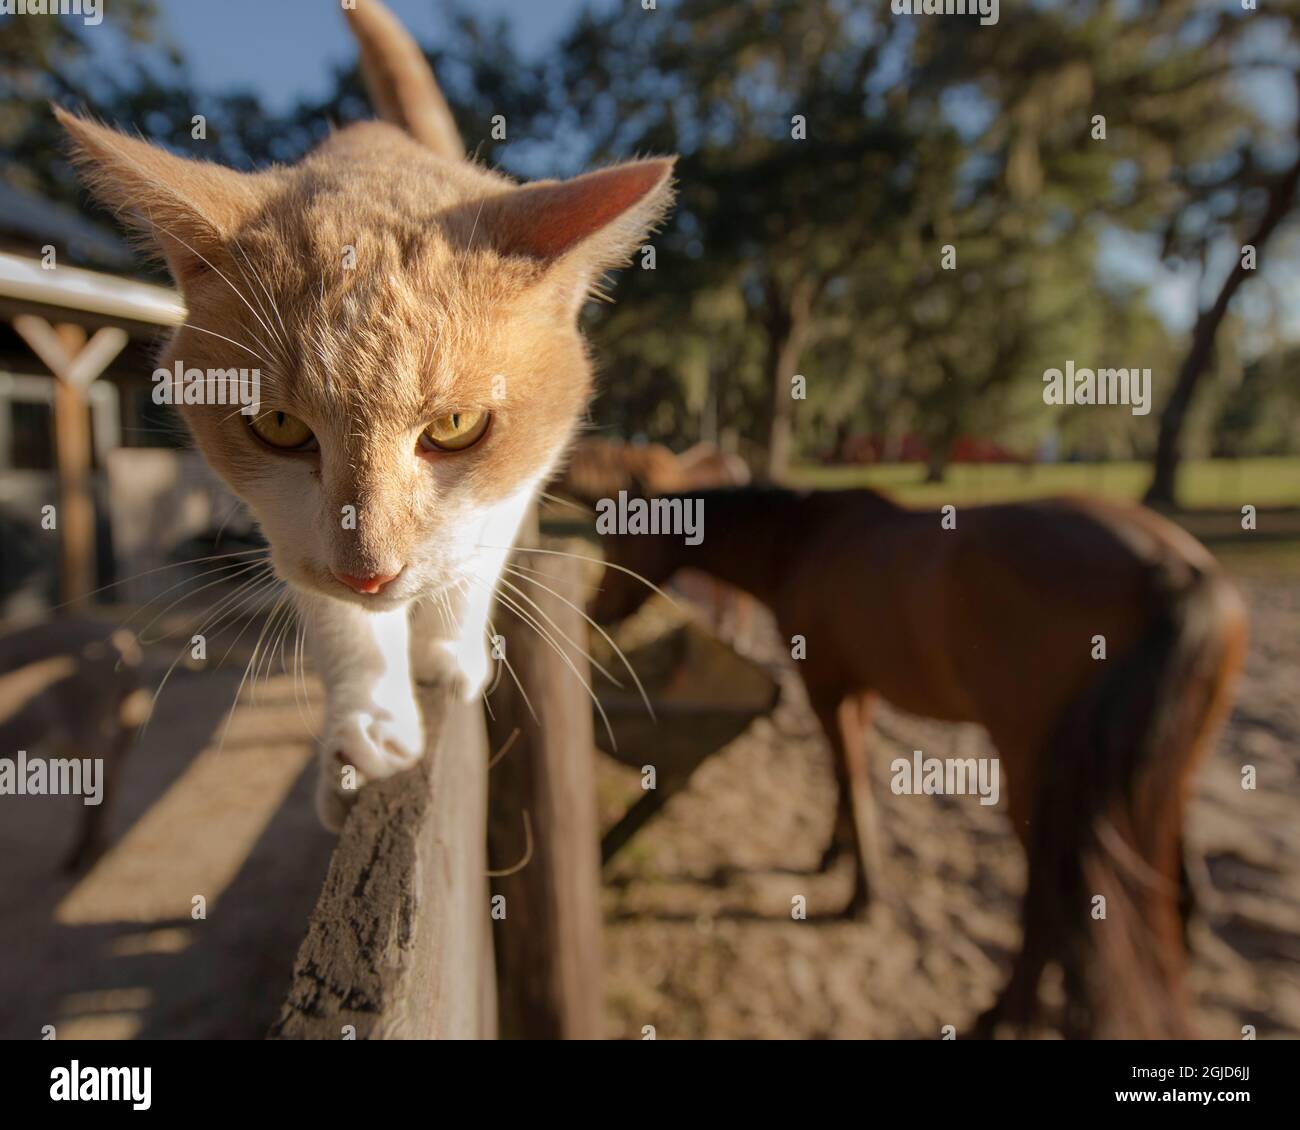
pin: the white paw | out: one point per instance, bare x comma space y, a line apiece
377, 742
466, 668
472, 672
364, 745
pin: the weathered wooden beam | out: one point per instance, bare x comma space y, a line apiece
399, 945
75, 363
543, 815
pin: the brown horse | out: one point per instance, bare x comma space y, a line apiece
599, 468
1096, 643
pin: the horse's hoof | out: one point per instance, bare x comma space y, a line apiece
830, 857
858, 908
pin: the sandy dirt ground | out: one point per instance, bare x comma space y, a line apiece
206, 813
699, 939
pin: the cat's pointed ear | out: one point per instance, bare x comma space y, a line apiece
590, 224
186, 209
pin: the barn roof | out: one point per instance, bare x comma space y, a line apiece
89, 292
30, 218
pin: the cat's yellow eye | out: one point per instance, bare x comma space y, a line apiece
279, 429
455, 431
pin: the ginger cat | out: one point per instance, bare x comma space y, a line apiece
414, 318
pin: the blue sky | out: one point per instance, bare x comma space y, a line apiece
287, 49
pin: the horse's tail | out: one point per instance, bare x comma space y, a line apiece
1106, 841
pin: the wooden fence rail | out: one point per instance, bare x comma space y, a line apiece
407, 940
399, 945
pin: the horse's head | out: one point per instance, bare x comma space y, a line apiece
633, 564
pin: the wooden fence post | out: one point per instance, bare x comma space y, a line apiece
399, 945
543, 815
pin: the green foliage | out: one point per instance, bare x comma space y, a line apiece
824, 254
922, 134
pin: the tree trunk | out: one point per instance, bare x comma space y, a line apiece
789, 319
1161, 492
840, 444
941, 441
936, 462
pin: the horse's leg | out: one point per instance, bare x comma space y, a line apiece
856, 823
825, 705
1017, 1003
855, 720
743, 611
843, 831
718, 607
1077, 1021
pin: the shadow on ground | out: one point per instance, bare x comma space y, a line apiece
122, 951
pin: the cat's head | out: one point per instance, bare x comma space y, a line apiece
414, 321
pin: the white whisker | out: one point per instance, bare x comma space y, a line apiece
524, 616
585, 557
223, 278
603, 634
563, 635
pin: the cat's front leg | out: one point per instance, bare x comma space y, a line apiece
451, 625
372, 721
449, 642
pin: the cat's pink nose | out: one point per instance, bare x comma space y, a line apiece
367, 585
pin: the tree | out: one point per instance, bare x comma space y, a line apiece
1279, 200
921, 135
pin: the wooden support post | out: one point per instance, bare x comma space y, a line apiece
399, 945
543, 815
76, 502
74, 363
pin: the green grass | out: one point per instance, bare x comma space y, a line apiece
1211, 494
1210, 484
